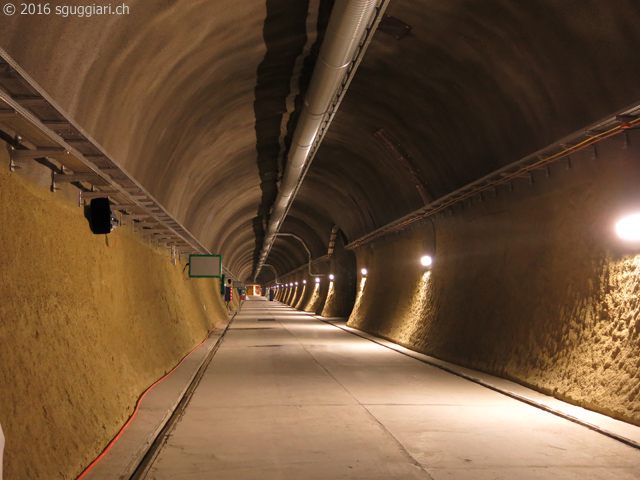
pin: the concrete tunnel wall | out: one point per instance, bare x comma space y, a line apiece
83, 329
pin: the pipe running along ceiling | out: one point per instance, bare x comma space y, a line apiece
344, 44
199, 101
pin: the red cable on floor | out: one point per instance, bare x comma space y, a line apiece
135, 411
107, 236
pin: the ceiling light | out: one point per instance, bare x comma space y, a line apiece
426, 261
629, 227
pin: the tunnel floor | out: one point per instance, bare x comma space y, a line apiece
288, 396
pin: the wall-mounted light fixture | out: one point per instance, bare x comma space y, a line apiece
304, 282
317, 280
364, 272
628, 228
296, 284
331, 277
426, 261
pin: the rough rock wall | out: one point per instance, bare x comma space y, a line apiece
305, 294
289, 295
532, 285
83, 329
310, 297
329, 298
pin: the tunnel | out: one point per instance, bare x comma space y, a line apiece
320, 239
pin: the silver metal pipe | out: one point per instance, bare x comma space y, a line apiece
306, 248
345, 40
274, 271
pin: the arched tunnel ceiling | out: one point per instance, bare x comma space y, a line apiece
196, 100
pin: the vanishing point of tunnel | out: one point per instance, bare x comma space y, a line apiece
320, 239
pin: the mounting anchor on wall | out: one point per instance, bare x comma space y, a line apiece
567, 147
544, 166
626, 141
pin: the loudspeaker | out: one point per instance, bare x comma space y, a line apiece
100, 216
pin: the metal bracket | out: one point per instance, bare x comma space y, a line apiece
75, 177
394, 27
38, 153
22, 155
82, 196
13, 166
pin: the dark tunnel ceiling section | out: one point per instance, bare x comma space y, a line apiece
169, 91
271, 94
288, 253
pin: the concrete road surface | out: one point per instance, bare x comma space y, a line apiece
290, 397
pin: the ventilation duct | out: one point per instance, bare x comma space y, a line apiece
349, 30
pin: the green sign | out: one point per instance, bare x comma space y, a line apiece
205, 266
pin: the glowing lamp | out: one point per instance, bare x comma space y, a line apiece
304, 282
426, 261
364, 272
296, 284
331, 277
629, 227
317, 280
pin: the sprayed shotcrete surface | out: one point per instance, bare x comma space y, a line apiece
83, 329
531, 285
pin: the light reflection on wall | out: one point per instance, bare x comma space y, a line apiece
300, 301
327, 312
363, 282
415, 311
331, 293
314, 298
